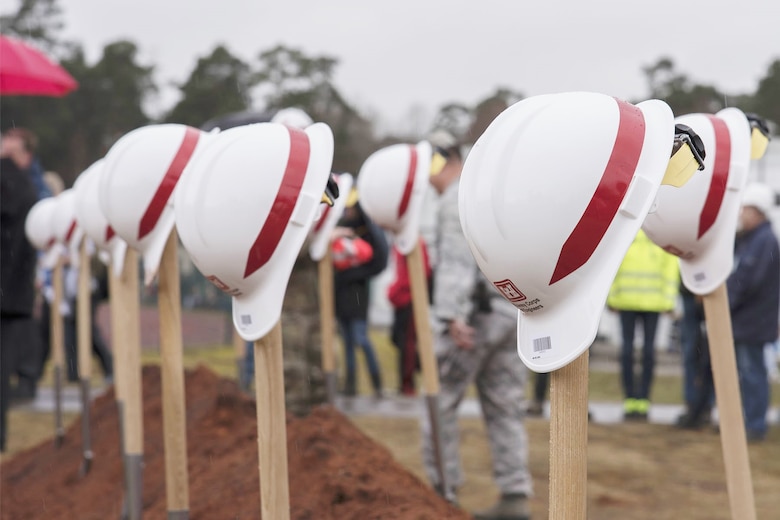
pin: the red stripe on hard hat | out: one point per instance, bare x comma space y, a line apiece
720, 175
321, 221
606, 200
71, 229
168, 183
409, 182
109, 233
284, 203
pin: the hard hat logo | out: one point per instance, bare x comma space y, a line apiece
168, 182
609, 194
283, 205
720, 175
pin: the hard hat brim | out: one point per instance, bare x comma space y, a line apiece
320, 239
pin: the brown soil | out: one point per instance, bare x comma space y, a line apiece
336, 472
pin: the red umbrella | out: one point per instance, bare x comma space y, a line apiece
25, 70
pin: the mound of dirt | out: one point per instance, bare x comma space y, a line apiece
336, 472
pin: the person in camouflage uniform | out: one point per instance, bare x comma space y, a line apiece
475, 342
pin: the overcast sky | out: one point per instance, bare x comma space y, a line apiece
403, 53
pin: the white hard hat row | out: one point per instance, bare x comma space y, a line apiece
245, 200
555, 190
551, 196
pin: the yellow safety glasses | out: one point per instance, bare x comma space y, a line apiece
687, 156
439, 159
331, 192
759, 136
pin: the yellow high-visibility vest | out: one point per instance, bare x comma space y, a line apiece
648, 278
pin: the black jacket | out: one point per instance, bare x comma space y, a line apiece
351, 285
17, 255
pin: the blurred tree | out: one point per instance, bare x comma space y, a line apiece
76, 130
681, 95
219, 84
290, 78
454, 117
766, 101
37, 21
488, 109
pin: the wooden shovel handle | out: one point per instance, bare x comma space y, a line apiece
172, 370
422, 323
84, 314
327, 315
569, 440
732, 424
272, 426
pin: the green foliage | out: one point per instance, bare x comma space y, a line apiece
219, 84
766, 101
76, 130
290, 78
38, 21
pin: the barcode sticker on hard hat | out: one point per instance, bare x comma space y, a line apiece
246, 319
699, 277
542, 344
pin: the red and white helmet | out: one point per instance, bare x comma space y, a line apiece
697, 222
294, 117
328, 218
551, 197
139, 176
350, 252
38, 226
91, 218
245, 210
64, 225
392, 184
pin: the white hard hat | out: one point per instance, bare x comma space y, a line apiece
551, 197
329, 217
294, 117
245, 208
39, 228
697, 222
139, 176
64, 225
91, 218
759, 196
392, 184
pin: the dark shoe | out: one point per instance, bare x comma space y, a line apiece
754, 436
687, 421
535, 408
508, 507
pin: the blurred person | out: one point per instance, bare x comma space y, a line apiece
475, 341
404, 333
20, 144
98, 292
698, 386
541, 384
17, 277
645, 286
754, 302
351, 293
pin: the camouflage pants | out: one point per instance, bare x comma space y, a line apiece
500, 377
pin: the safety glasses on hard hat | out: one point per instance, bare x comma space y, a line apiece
438, 160
759, 135
331, 191
687, 156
